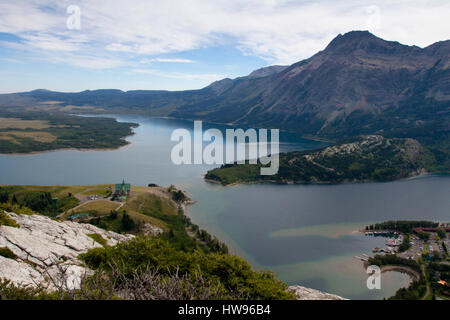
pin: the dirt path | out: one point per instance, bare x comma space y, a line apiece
120, 205
428, 292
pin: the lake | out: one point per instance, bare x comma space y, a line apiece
307, 234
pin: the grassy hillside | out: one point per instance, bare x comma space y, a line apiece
160, 207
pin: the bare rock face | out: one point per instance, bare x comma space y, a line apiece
148, 229
45, 249
303, 293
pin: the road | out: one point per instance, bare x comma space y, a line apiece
83, 200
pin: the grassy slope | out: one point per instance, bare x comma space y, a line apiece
153, 205
140, 201
97, 207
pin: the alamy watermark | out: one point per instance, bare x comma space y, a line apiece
374, 280
73, 22
190, 149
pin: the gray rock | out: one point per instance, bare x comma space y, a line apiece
47, 249
149, 229
303, 293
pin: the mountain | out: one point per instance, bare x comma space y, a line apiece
359, 84
266, 71
366, 158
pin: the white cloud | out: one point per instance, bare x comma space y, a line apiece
88, 62
281, 32
178, 75
167, 60
120, 47
54, 43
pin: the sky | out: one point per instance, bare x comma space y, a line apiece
187, 44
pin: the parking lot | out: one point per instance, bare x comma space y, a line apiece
419, 246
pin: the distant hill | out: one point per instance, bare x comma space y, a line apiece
367, 158
359, 84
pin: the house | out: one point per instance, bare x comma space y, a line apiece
78, 216
443, 283
122, 190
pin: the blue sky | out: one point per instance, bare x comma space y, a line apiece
187, 44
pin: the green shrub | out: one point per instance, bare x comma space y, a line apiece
423, 235
441, 233
392, 259
5, 220
16, 208
10, 291
127, 223
98, 238
406, 244
7, 253
234, 275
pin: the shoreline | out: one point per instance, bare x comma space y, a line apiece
230, 124
64, 149
403, 269
292, 182
128, 143
124, 138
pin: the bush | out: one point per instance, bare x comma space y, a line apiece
4, 196
98, 238
392, 259
40, 201
127, 223
5, 220
18, 209
441, 233
9, 291
415, 291
233, 275
423, 235
7, 253
405, 244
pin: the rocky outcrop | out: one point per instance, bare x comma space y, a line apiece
303, 293
148, 229
46, 250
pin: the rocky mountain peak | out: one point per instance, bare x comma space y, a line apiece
366, 42
266, 71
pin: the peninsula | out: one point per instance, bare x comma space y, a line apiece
366, 158
32, 132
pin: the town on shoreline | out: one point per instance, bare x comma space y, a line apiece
418, 248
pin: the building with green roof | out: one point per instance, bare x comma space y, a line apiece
122, 190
